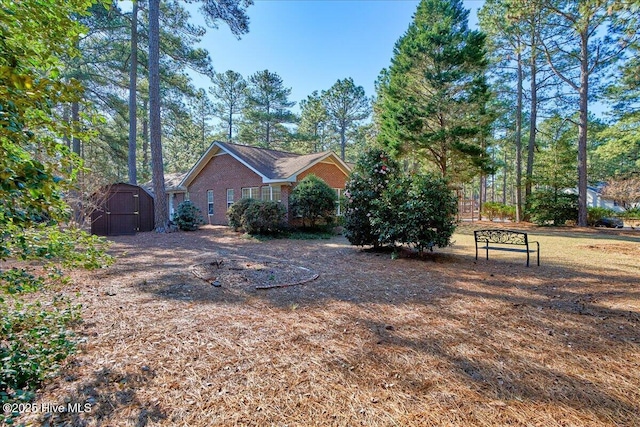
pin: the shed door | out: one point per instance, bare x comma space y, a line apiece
122, 213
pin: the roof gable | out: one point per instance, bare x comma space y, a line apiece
270, 165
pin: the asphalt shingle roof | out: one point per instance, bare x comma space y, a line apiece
273, 164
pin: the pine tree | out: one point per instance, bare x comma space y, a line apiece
431, 104
584, 44
233, 12
230, 92
313, 122
267, 110
346, 105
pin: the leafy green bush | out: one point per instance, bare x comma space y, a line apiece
595, 214
508, 212
546, 206
188, 217
235, 212
493, 210
372, 174
17, 280
263, 217
313, 199
631, 213
35, 339
417, 210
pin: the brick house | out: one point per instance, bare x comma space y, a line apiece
228, 172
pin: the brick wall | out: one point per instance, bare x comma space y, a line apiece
224, 172
328, 172
221, 173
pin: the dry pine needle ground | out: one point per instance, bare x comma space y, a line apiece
443, 340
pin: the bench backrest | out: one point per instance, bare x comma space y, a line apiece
501, 236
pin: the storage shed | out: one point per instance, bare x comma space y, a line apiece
122, 209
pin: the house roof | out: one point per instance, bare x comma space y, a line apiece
271, 165
171, 182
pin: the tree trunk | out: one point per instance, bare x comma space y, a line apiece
230, 123
481, 198
75, 119
145, 138
65, 119
203, 145
161, 208
533, 118
343, 142
519, 141
133, 79
582, 132
504, 181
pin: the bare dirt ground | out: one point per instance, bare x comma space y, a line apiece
443, 340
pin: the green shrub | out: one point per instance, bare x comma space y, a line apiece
597, 213
17, 280
372, 174
418, 211
546, 206
235, 212
263, 217
493, 210
188, 217
631, 213
313, 199
35, 340
388, 209
508, 212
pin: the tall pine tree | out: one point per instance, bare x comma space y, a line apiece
431, 102
267, 110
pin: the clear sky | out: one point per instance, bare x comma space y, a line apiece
313, 43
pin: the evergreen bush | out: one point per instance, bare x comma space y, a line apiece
371, 176
263, 217
548, 206
595, 214
235, 212
493, 210
313, 199
388, 209
188, 217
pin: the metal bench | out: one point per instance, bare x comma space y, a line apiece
491, 238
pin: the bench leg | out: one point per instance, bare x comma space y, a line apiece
487, 248
527, 256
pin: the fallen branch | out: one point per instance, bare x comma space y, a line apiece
284, 285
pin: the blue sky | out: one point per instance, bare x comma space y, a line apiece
313, 43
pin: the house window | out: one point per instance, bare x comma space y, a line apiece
271, 193
229, 197
339, 192
251, 192
210, 201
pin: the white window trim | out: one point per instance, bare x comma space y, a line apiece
339, 191
210, 205
257, 194
230, 200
